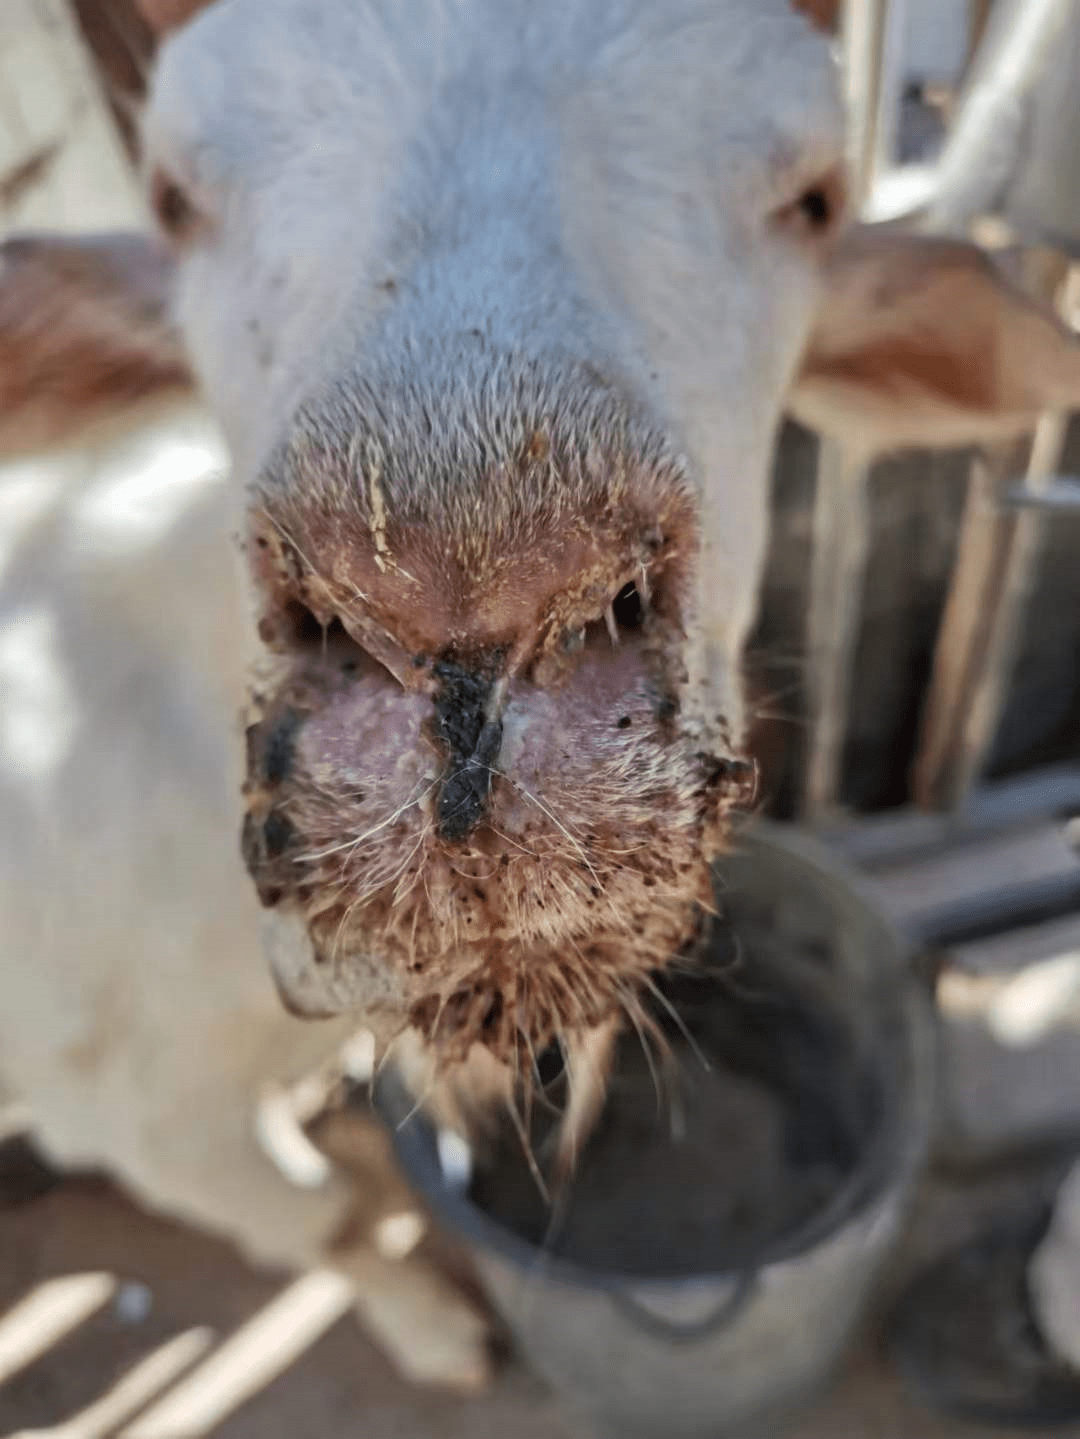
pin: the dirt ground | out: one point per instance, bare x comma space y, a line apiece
340, 1386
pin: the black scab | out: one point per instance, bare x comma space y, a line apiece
278, 834
488, 744
460, 706
251, 844
472, 742
465, 790
253, 847
279, 747
251, 747
624, 723
736, 774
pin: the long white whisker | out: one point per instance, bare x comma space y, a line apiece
350, 844
680, 1022
554, 820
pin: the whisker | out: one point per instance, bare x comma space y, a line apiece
527, 794
507, 839
658, 993
527, 1149
283, 532
612, 627
631, 1009
368, 834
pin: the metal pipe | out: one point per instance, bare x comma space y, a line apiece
980, 155
997, 565
982, 148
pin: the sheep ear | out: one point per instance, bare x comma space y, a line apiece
165, 15
922, 341
823, 13
85, 331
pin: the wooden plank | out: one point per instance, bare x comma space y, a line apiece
838, 575
986, 535
873, 35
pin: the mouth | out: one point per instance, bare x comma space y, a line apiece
588, 872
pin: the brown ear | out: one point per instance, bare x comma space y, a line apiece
822, 13
162, 15
85, 330
923, 341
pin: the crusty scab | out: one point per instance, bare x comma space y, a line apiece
468, 763
472, 734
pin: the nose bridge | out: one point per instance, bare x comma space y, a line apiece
472, 735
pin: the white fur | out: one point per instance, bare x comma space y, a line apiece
139, 1019
592, 180
145, 1021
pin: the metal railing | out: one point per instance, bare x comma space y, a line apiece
1012, 492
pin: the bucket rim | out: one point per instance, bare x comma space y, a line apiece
889, 1164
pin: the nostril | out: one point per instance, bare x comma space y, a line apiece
304, 628
293, 628
551, 1065
292, 625
625, 614
301, 628
628, 609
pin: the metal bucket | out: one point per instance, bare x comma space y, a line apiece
657, 1346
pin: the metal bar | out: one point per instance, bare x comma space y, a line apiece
870, 42
978, 888
873, 33
981, 151
1062, 496
993, 578
879, 841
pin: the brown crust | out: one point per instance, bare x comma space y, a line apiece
547, 920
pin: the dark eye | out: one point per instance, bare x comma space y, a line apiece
175, 211
818, 209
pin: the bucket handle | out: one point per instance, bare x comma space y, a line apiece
655, 1316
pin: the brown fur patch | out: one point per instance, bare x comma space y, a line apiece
84, 332
822, 13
